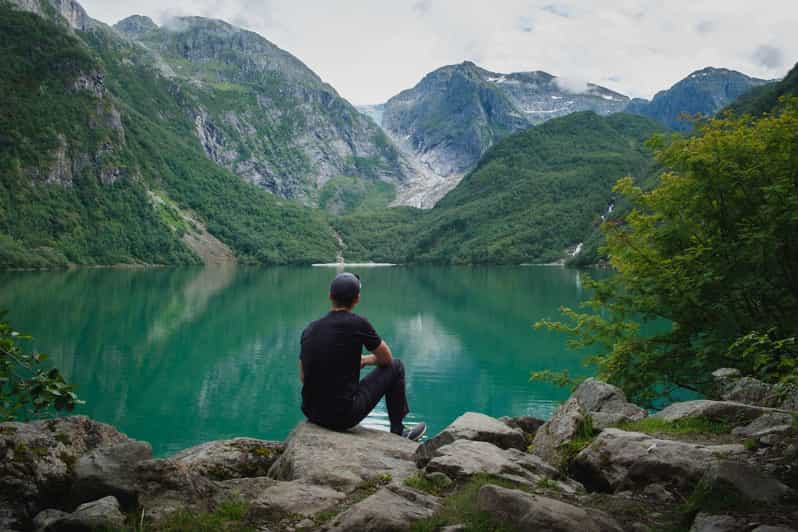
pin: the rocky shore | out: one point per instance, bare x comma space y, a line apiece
599, 464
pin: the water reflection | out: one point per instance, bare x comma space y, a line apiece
180, 356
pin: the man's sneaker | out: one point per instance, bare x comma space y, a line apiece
415, 433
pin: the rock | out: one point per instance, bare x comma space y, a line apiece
566, 424
166, 486
529, 425
109, 471
618, 460
294, 497
658, 492
750, 391
102, 514
476, 427
226, 459
343, 460
745, 481
723, 411
527, 512
726, 373
770, 528
37, 459
46, 518
766, 424
704, 522
786, 396
441, 480
392, 508
464, 458
606, 404
454, 528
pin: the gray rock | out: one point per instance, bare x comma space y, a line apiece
529, 425
343, 460
715, 523
750, 391
724, 411
658, 492
47, 518
527, 512
464, 458
103, 514
786, 396
566, 424
454, 528
166, 486
294, 497
766, 424
618, 460
247, 489
392, 508
606, 404
771, 528
110, 471
226, 459
439, 479
748, 482
476, 427
37, 459
726, 373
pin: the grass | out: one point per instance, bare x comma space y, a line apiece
422, 483
693, 425
460, 508
230, 516
585, 433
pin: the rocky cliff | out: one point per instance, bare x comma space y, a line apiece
454, 114
599, 464
262, 114
704, 92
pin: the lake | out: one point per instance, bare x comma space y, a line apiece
181, 356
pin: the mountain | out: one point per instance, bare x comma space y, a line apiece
533, 197
262, 114
100, 162
765, 98
456, 113
703, 92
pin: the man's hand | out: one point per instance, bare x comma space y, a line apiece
368, 360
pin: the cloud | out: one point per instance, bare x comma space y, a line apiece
370, 51
768, 56
571, 84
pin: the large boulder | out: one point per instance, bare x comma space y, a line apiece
392, 508
476, 427
109, 470
773, 423
295, 497
721, 411
746, 483
704, 522
465, 458
529, 425
343, 460
38, 459
606, 404
226, 459
166, 486
731, 386
618, 460
568, 422
527, 512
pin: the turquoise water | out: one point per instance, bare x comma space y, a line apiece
181, 356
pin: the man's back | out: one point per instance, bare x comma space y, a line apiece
331, 359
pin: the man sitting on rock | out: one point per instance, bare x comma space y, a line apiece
330, 361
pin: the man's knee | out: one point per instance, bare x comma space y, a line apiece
398, 366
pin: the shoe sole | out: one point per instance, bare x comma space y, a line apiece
420, 435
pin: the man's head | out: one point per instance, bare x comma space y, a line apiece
345, 290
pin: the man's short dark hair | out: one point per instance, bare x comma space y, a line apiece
344, 289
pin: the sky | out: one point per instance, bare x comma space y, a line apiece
370, 50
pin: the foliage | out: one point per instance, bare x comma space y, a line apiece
711, 251
765, 99
461, 508
693, 425
230, 516
28, 387
432, 486
534, 194
346, 194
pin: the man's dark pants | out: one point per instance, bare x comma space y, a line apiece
388, 381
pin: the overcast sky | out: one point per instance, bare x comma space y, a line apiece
369, 50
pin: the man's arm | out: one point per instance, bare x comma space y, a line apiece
381, 356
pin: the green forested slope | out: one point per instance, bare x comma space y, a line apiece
764, 99
534, 194
86, 132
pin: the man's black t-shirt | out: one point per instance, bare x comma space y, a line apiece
330, 354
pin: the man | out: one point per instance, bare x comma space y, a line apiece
330, 363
